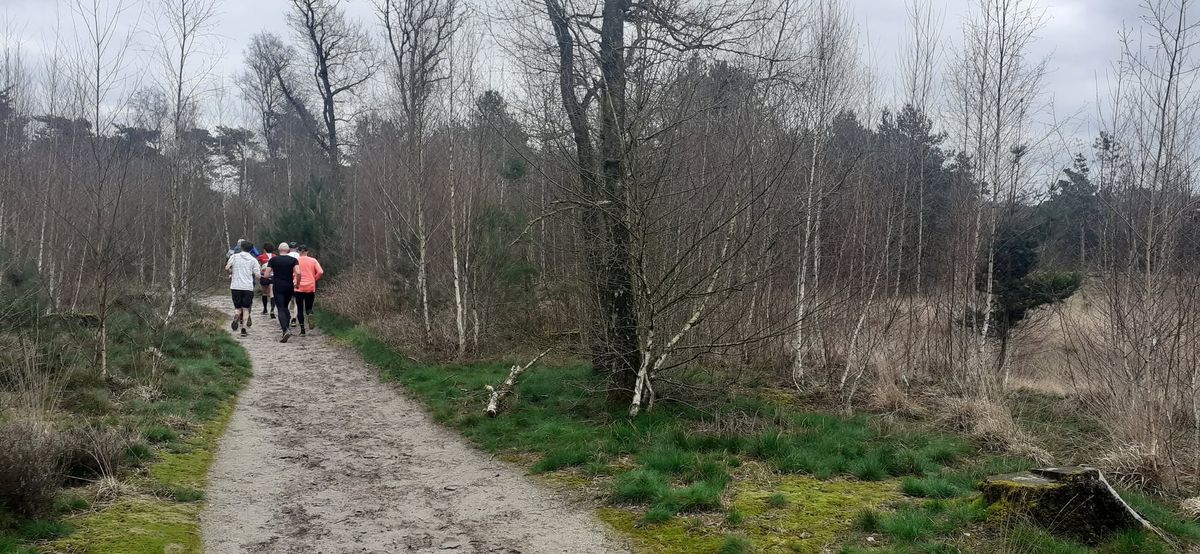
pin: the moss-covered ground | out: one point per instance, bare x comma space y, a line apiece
152, 504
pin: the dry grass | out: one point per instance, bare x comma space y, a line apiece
27, 385
95, 452
993, 425
30, 464
1190, 507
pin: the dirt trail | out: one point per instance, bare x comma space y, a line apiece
322, 457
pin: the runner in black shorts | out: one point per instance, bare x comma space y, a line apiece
243, 271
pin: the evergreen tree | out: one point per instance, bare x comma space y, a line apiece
311, 220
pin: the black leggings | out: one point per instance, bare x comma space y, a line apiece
304, 304
283, 295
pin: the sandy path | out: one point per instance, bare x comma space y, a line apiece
322, 457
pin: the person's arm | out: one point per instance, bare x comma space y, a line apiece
296, 276
266, 272
229, 266
320, 271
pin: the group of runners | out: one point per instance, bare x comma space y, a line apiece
286, 276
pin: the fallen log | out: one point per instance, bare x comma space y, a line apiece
495, 395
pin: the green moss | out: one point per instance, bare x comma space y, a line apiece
136, 526
189, 469
675, 536
819, 511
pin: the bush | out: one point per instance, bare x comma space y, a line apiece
31, 465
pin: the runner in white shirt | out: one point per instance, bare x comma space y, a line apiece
243, 269
292, 303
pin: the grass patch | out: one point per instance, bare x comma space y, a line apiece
932, 487
641, 485
41, 530
1163, 517
735, 544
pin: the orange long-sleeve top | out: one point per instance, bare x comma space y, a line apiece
310, 272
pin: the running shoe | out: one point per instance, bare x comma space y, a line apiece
249, 321
302, 333
286, 335
293, 322
233, 325
244, 333
272, 316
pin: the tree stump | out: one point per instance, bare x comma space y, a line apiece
1076, 502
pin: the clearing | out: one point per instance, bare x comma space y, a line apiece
320, 457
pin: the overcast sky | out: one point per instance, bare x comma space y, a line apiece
1079, 38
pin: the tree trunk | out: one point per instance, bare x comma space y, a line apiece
616, 291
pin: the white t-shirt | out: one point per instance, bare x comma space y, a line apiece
242, 269
294, 254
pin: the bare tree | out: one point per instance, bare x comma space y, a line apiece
996, 87
419, 34
260, 85
825, 87
99, 81
183, 27
341, 58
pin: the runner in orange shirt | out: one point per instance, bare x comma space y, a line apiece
306, 293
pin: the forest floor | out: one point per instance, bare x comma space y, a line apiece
320, 457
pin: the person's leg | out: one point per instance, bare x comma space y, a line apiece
237, 313
300, 310
266, 295
309, 300
282, 298
271, 296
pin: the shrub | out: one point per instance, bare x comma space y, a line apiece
31, 465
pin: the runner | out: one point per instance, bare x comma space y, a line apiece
268, 252
306, 292
242, 268
281, 269
293, 253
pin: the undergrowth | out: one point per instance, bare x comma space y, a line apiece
134, 446
790, 481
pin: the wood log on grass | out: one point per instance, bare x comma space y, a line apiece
496, 395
